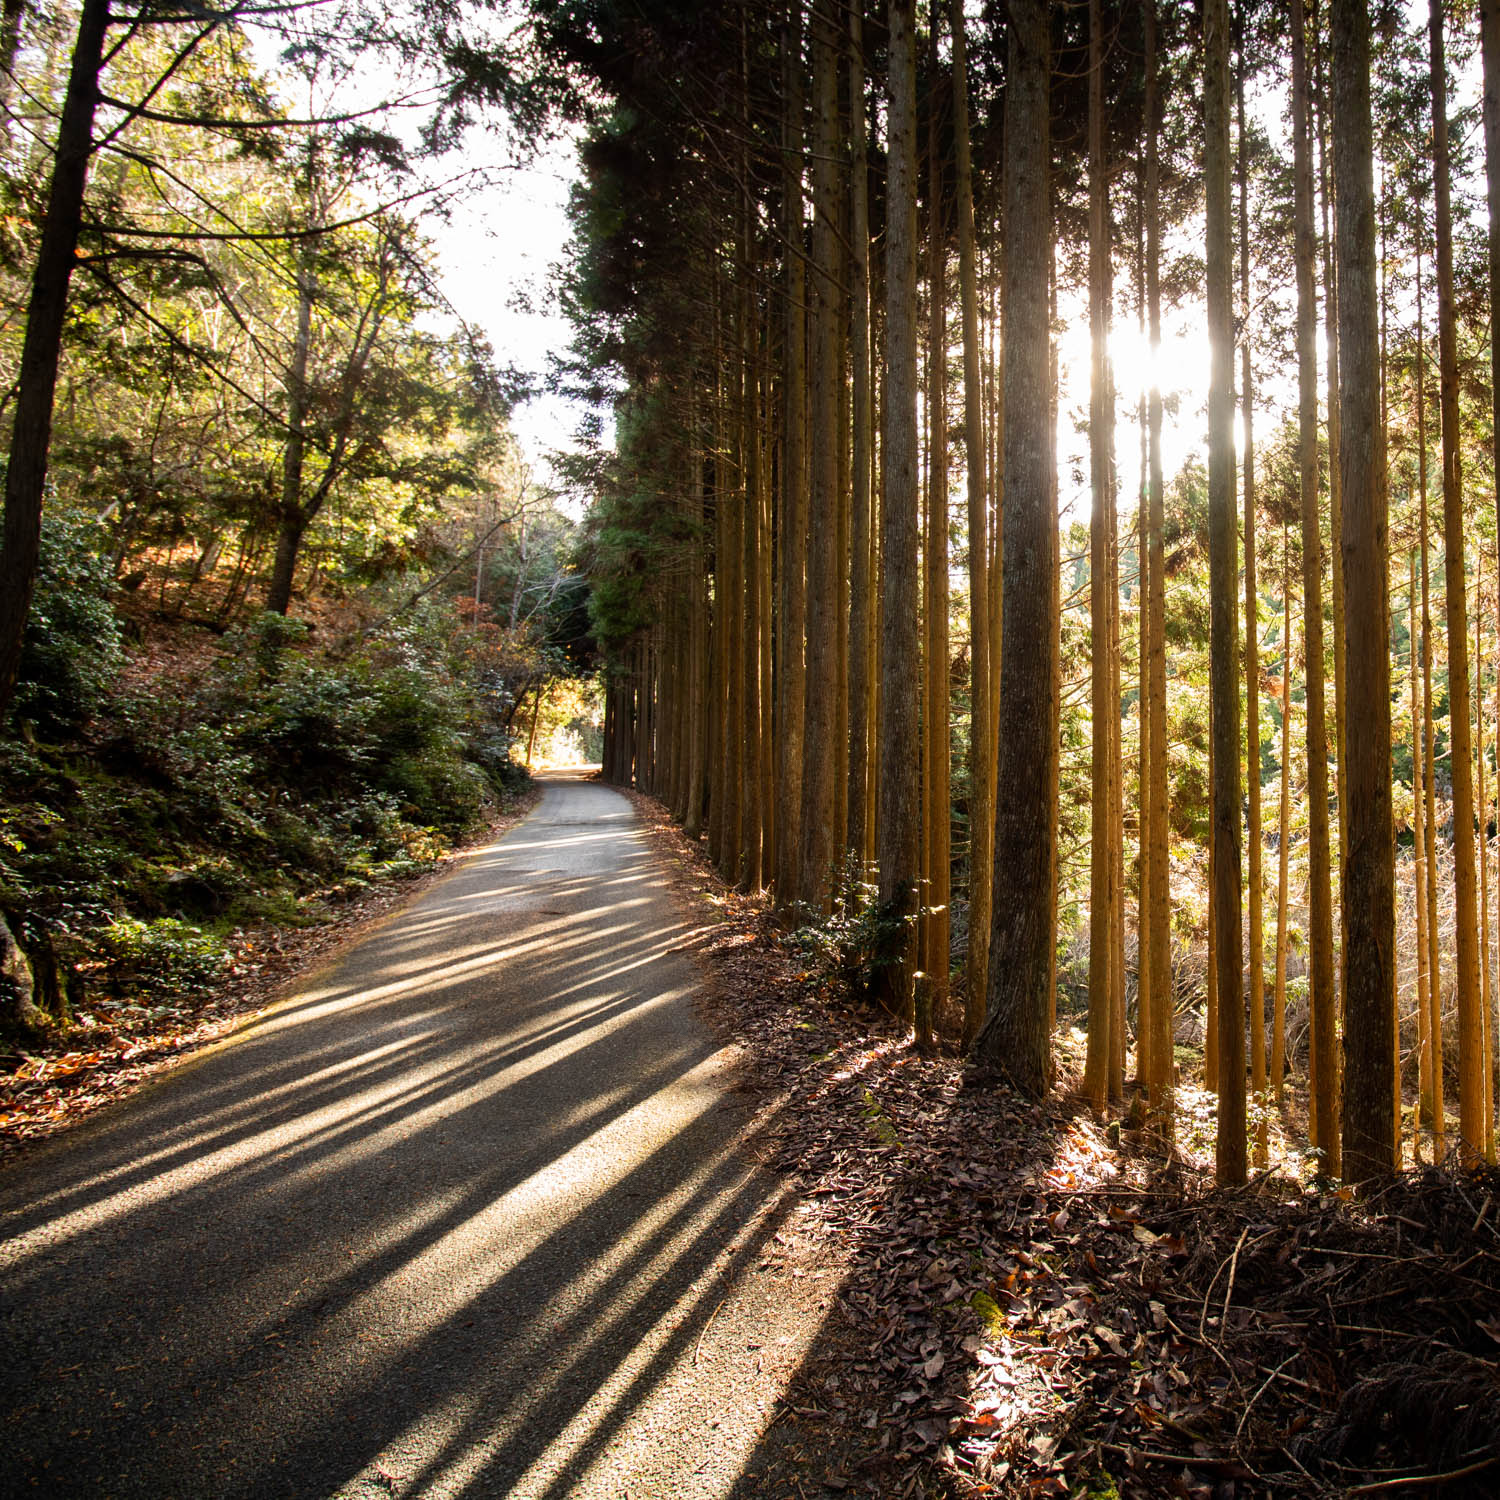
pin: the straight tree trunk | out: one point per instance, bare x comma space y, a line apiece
1482, 801
899, 810
751, 866
818, 768
1161, 1069
937, 799
1369, 883
1255, 845
792, 619
1103, 813
41, 349
1015, 1040
1419, 882
1335, 468
1284, 825
692, 823
981, 745
1324, 1059
1461, 761
862, 612
1489, 34
1230, 1150
1437, 1104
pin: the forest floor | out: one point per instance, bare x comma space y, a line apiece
53, 1081
1034, 1302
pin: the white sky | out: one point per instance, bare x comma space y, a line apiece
496, 259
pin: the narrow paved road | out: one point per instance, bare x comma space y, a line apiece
471, 1214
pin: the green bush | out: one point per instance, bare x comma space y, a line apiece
71, 655
165, 955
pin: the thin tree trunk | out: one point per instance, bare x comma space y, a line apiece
1482, 802
1254, 842
1419, 883
936, 793
1161, 1062
862, 613
822, 583
1429, 758
1489, 32
981, 745
1461, 762
1324, 1059
791, 639
1284, 825
752, 869
1102, 809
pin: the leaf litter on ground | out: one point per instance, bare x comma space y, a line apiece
1036, 1304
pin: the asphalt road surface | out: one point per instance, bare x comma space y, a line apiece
472, 1213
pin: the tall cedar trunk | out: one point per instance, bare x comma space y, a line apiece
751, 867
1461, 762
1145, 983
818, 769
1489, 33
1482, 801
1254, 842
1335, 447
1230, 1153
996, 447
1116, 759
36, 386
1102, 811
1016, 1038
898, 818
936, 799
981, 751
792, 617
1161, 1064
764, 511
696, 792
1429, 758
718, 715
862, 579
1319, 897
1369, 883
1419, 881
1284, 824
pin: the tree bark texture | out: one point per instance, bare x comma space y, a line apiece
1016, 1038
898, 799
1369, 884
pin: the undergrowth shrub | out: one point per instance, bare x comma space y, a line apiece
166, 956
71, 655
274, 782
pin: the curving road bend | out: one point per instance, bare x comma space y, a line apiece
469, 1215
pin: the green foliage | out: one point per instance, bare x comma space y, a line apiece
842, 946
165, 955
71, 655
268, 783
859, 937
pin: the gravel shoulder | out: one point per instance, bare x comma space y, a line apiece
475, 1211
